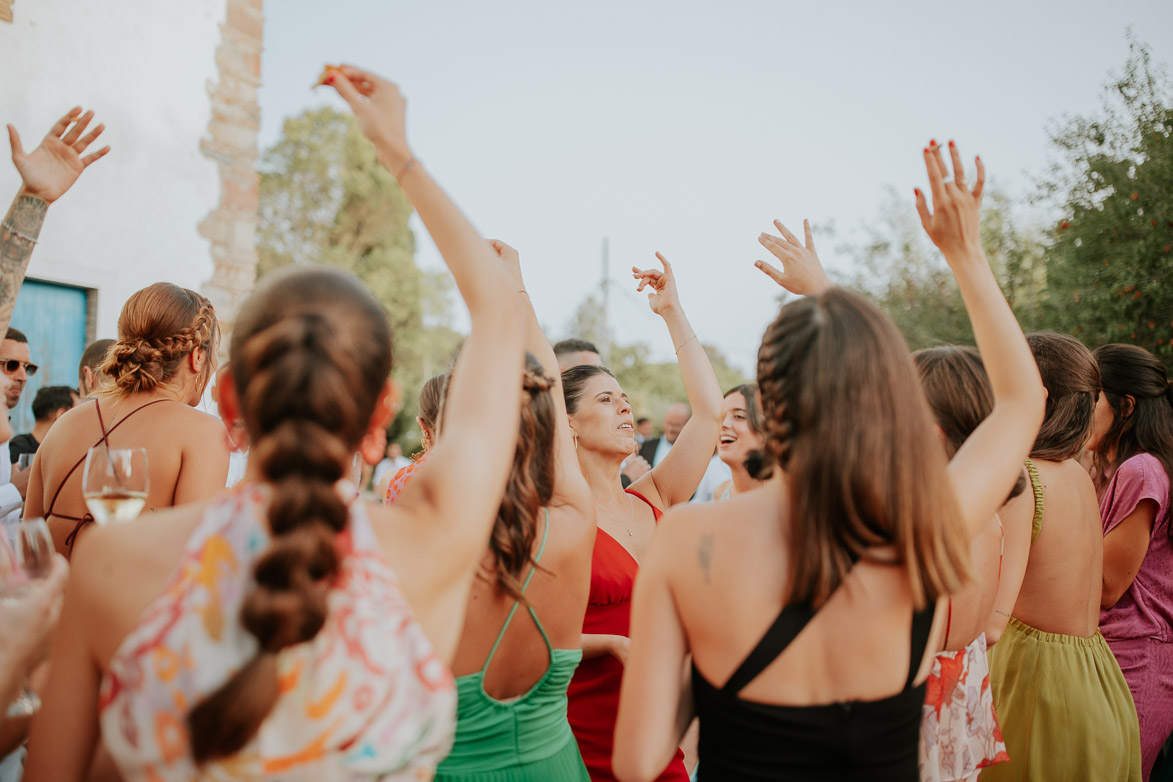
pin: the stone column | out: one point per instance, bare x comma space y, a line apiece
232, 143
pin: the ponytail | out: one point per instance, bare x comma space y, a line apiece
531, 482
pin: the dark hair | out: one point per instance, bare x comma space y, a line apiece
756, 462
1072, 379
958, 391
846, 419
159, 326
531, 481
432, 398
574, 346
50, 399
574, 381
1145, 426
16, 335
310, 355
643, 419
94, 355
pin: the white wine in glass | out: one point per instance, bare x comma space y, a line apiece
115, 483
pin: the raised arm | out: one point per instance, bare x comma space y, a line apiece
46, 173
986, 466
675, 478
570, 487
454, 498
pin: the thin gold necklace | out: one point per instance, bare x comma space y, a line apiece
630, 507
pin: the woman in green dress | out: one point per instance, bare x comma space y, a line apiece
513, 666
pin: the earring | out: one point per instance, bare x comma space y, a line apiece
575, 436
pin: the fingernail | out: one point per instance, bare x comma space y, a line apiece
926, 150
329, 79
932, 142
977, 157
917, 191
951, 145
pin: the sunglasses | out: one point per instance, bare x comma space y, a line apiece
10, 366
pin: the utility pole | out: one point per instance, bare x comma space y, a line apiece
605, 347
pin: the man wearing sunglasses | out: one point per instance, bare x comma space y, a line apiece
14, 363
14, 360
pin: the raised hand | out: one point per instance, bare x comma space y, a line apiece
663, 296
802, 272
512, 261
52, 168
381, 111
953, 220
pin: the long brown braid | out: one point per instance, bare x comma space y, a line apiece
158, 327
310, 356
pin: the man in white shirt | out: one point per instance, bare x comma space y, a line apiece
16, 369
11, 495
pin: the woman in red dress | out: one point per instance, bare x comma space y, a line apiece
604, 431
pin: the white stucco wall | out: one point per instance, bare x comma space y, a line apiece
144, 67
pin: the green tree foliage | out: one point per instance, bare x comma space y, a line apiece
1109, 264
325, 199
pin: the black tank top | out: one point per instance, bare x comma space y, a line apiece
857, 740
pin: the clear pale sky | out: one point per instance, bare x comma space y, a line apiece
687, 127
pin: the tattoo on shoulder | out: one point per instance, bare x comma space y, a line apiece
705, 553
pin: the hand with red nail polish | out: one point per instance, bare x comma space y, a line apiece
952, 221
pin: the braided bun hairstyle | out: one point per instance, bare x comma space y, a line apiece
158, 327
310, 356
531, 482
845, 418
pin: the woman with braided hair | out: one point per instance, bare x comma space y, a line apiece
287, 629
159, 367
812, 608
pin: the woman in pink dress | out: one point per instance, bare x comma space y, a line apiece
1132, 443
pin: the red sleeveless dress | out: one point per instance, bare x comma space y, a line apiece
594, 691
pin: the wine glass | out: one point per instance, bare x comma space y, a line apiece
115, 483
27, 556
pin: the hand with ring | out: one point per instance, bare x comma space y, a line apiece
953, 220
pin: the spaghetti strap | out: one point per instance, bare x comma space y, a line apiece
656, 512
1036, 485
87, 517
516, 603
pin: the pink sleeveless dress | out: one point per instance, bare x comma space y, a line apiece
366, 699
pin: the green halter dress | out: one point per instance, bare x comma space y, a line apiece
525, 739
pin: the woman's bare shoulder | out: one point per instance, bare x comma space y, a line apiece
129, 552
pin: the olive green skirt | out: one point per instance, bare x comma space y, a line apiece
1064, 709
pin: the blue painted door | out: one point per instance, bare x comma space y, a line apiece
53, 317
